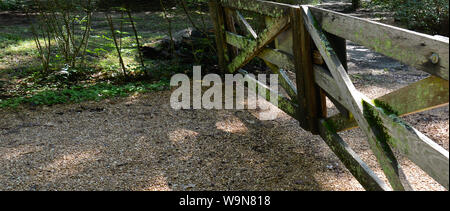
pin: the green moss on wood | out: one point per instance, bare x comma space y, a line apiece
386, 107
376, 124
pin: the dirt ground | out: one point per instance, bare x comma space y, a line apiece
141, 143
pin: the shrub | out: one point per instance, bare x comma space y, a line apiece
430, 16
78, 94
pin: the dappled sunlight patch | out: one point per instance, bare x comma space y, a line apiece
232, 125
68, 164
265, 109
17, 152
19, 57
22, 47
158, 184
133, 99
180, 135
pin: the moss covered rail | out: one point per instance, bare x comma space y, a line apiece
312, 43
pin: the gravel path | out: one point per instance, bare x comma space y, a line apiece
140, 143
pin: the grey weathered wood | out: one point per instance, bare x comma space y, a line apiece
351, 97
421, 96
324, 79
424, 95
284, 42
268, 8
284, 104
273, 59
365, 176
284, 80
409, 47
339, 46
280, 59
425, 153
432, 158
254, 48
246, 25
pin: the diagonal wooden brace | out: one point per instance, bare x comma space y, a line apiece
355, 101
254, 48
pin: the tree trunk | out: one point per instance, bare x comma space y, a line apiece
356, 4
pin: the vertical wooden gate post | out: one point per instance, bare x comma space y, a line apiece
230, 26
311, 100
300, 80
218, 16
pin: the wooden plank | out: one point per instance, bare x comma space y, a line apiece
239, 41
350, 95
254, 48
429, 156
339, 46
325, 81
284, 42
426, 94
241, 27
312, 92
280, 59
412, 48
421, 96
284, 104
216, 12
273, 59
268, 8
230, 26
284, 80
365, 176
317, 58
300, 78
246, 25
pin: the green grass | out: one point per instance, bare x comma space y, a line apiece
79, 94
18, 51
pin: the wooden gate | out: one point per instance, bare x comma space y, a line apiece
312, 42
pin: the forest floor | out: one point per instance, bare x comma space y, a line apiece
141, 143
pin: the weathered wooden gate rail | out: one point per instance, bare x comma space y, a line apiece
293, 38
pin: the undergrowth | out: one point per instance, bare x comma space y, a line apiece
78, 94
